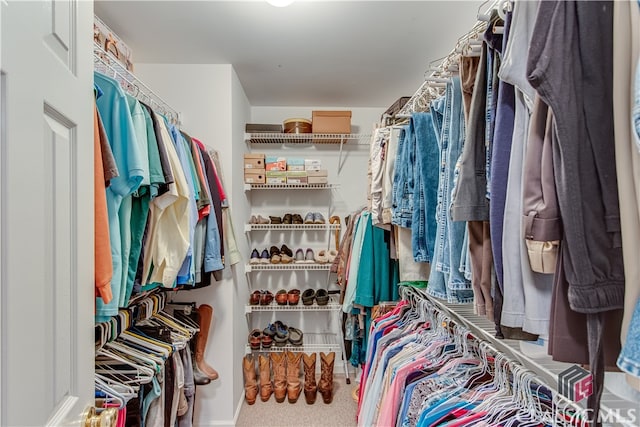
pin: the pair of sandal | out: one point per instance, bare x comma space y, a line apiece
325, 256
281, 334
284, 297
321, 296
260, 297
283, 255
258, 220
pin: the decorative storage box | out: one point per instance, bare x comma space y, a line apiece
254, 161
297, 126
276, 177
254, 176
275, 163
262, 128
295, 164
296, 177
331, 121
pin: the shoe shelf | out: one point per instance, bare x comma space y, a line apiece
306, 138
329, 339
331, 306
311, 343
291, 227
292, 266
249, 187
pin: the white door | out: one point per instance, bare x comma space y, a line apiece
46, 212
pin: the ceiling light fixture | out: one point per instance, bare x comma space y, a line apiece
280, 3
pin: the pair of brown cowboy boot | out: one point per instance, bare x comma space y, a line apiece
286, 381
325, 385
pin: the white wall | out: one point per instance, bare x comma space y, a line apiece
203, 94
240, 115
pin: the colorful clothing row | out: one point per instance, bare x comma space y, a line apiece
418, 373
510, 181
163, 197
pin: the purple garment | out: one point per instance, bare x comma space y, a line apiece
501, 154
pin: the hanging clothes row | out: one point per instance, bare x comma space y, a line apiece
161, 208
145, 373
425, 369
367, 271
507, 186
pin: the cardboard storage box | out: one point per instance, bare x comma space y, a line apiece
275, 163
276, 177
254, 164
321, 172
312, 165
295, 177
254, 176
317, 180
331, 121
254, 161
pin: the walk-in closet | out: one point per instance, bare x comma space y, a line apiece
320, 213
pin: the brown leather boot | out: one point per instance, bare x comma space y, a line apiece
293, 376
325, 386
250, 383
266, 387
310, 388
278, 362
205, 313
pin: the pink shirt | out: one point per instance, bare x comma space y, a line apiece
391, 403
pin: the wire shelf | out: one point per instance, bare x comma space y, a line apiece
332, 306
248, 187
308, 138
292, 227
292, 266
311, 343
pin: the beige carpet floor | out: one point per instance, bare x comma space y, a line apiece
339, 413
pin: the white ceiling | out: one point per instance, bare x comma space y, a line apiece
321, 53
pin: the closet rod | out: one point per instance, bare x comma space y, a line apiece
543, 377
446, 64
106, 63
139, 310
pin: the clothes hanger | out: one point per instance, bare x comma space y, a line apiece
498, 404
154, 362
155, 345
483, 16
138, 375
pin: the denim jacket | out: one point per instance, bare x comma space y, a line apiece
403, 180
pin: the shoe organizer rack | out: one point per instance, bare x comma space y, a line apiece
322, 329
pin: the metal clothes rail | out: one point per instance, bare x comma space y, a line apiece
105, 63
617, 411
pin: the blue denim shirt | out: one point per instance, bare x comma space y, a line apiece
425, 191
403, 180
